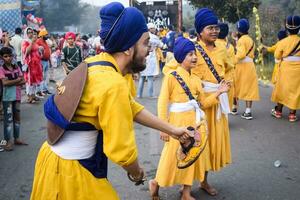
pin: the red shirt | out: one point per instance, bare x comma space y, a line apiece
47, 50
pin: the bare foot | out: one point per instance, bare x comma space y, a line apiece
209, 189
187, 197
153, 189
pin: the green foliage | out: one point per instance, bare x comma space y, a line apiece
230, 10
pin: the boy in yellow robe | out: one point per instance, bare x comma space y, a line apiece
281, 35
75, 166
245, 82
211, 75
287, 91
172, 96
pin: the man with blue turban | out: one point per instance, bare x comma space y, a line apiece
286, 91
246, 82
90, 119
212, 64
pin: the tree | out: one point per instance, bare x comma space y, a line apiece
230, 10
57, 13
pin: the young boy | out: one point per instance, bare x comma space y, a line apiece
173, 96
12, 79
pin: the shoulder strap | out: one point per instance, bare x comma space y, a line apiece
209, 63
250, 49
295, 50
102, 63
183, 85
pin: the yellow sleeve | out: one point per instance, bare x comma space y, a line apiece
278, 54
116, 121
272, 48
228, 62
135, 107
164, 98
206, 101
240, 51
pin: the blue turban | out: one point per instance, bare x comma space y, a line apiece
224, 29
121, 27
182, 47
292, 22
281, 34
204, 17
243, 26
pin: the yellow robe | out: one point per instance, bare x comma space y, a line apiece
171, 92
246, 83
287, 90
218, 137
229, 71
275, 70
107, 104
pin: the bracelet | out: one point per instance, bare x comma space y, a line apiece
136, 181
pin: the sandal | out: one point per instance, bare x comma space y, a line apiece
20, 142
31, 101
292, 117
8, 146
275, 113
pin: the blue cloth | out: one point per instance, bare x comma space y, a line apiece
182, 47
121, 27
10, 18
224, 29
96, 164
243, 26
205, 17
281, 34
293, 22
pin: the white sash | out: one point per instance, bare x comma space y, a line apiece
187, 106
76, 145
276, 61
292, 58
223, 98
247, 59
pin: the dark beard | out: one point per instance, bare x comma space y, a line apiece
135, 65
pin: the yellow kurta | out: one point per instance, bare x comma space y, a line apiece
218, 137
229, 71
275, 70
171, 92
170, 66
246, 83
107, 104
287, 90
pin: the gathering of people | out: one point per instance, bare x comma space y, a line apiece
206, 73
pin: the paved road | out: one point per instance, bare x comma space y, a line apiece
256, 145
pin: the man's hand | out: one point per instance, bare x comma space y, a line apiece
182, 134
164, 137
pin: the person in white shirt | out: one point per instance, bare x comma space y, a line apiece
16, 42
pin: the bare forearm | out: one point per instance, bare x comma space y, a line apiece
148, 119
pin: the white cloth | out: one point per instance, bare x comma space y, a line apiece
246, 60
187, 106
223, 98
16, 42
292, 58
152, 63
276, 61
76, 145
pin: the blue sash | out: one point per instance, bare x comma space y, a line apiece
97, 164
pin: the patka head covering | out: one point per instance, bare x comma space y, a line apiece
182, 47
70, 35
243, 26
281, 34
121, 27
292, 22
224, 29
205, 17
43, 33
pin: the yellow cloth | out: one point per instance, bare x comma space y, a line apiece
107, 104
131, 84
185, 35
162, 33
170, 66
218, 137
171, 92
229, 73
287, 90
246, 82
275, 70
